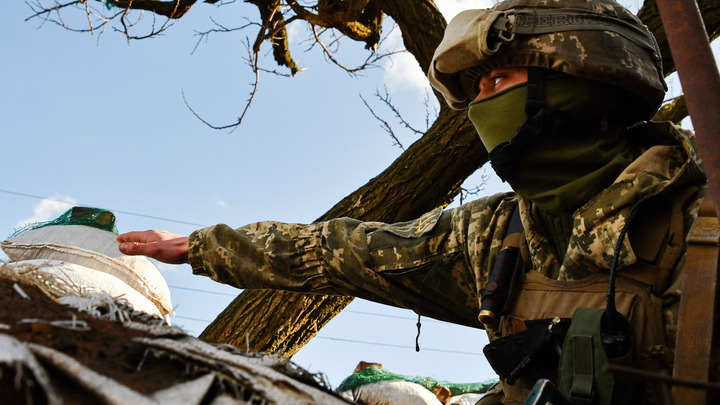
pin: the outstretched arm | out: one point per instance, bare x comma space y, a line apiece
160, 245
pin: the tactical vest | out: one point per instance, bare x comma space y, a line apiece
657, 235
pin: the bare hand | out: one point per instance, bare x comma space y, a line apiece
160, 245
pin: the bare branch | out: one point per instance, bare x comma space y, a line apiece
370, 61
428, 118
42, 12
220, 28
328, 53
465, 193
154, 31
385, 126
96, 19
253, 62
170, 9
388, 102
356, 19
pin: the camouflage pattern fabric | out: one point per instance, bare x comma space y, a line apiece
438, 264
598, 40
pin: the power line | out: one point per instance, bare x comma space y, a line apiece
203, 291
399, 346
192, 319
346, 310
110, 209
365, 342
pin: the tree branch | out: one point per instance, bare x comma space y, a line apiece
252, 60
170, 9
359, 20
385, 125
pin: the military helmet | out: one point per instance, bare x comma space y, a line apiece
593, 39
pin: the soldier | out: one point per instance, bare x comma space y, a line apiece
559, 92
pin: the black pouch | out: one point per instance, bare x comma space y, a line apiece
535, 348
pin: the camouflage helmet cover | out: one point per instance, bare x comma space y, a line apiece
592, 39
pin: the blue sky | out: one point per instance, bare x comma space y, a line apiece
97, 121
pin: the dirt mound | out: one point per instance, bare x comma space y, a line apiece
59, 354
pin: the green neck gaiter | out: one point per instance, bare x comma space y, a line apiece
559, 172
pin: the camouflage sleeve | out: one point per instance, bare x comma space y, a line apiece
433, 265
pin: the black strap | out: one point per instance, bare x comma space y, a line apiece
504, 157
535, 100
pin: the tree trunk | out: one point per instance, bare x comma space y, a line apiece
427, 175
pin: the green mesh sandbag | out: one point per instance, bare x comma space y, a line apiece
372, 374
95, 217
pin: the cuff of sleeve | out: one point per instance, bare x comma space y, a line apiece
196, 245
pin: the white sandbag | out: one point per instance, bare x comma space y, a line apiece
93, 248
87, 280
464, 399
393, 393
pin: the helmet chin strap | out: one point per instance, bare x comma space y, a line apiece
535, 100
504, 157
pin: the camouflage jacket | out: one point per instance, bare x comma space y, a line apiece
438, 264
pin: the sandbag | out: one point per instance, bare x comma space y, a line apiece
392, 393
464, 399
93, 248
85, 280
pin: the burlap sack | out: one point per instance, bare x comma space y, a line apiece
87, 280
392, 393
95, 249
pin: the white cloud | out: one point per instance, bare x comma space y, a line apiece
48, 209
450, 8
402, 71
297, 32
221, 202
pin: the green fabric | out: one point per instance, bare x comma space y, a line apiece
497, 117
95, 217
559, 173
583, 367
583, 357
373, 374
585, 322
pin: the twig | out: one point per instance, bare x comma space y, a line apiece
464, 192
388, 102
384, 125
252, 60
370, 61
220, 28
